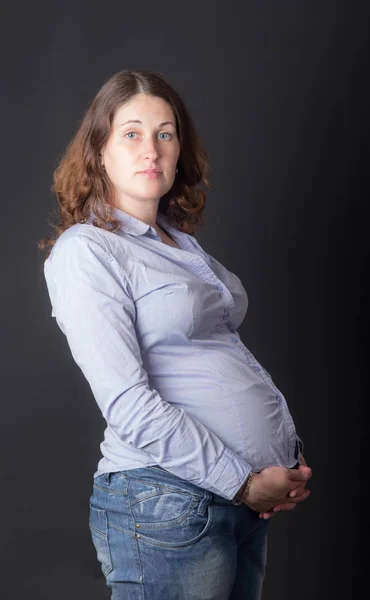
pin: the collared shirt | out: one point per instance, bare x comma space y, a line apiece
154, 330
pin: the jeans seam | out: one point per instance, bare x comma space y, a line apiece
102, 535
167, 524
172, 546
165, 487
115, 526
109, 490
136, 542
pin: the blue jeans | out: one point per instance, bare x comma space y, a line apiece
159, 537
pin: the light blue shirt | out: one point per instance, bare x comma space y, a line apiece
154, 330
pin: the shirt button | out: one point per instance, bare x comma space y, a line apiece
138, 536
234, 339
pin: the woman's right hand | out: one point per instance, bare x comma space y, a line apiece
272, 486
300, 491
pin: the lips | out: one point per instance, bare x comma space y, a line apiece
150, 171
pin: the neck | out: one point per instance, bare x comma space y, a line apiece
145, 211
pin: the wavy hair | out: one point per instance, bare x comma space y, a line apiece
81, 184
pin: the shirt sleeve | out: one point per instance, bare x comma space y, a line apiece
93, 307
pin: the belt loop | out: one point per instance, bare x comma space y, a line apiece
107, 478
204, 503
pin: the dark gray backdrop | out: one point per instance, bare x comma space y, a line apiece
279, 92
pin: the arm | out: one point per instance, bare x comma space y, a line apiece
92, 305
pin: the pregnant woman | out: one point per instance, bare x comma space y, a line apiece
200, 449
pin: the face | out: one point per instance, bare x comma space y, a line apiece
143, 136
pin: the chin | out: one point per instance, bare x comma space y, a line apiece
153, 189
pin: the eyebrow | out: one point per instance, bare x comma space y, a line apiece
137, 121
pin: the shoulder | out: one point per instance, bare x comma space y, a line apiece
79, 236
81, 260
81, 250
85, 238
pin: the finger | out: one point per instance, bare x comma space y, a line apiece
298, 491
300, 475
296, 499
300, 498
278, 508
284, 507
304, 469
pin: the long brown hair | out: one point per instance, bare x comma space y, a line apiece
80, 183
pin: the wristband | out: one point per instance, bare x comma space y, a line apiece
242, 494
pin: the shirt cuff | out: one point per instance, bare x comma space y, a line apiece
228, 475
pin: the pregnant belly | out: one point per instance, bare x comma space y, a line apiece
248, 414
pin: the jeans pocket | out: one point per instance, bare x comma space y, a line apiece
98, 524
165, 516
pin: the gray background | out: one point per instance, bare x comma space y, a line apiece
280, 94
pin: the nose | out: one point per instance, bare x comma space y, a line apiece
150, 149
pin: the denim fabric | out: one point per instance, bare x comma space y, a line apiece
159, 537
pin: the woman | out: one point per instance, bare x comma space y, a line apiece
199, 445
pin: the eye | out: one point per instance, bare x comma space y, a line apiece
164, 133
129, 133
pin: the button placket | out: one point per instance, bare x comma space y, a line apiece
204, 272
221, 327
257, 368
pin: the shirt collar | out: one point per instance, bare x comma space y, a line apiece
135, 226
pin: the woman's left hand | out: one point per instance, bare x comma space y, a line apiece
300, 493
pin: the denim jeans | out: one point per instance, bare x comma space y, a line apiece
159, 537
